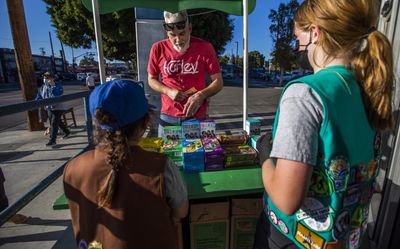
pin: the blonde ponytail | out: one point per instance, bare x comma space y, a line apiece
372, 64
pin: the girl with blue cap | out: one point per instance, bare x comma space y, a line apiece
120, 195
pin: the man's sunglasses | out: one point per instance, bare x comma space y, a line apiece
170, 26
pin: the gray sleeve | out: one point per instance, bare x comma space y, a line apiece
175, 189
300, 118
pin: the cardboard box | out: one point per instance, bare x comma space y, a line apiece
172, 133
245, 214
249, 206
207, 128
243, 229
191, 129
253, 127
209, 226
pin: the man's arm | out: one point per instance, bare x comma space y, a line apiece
215, 86
157, 86
197, 99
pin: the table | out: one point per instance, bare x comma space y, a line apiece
211, 184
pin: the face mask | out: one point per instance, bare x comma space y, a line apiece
302, 55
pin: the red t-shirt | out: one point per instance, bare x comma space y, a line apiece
182, 71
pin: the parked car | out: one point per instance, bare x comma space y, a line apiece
285, 77
68, 76
81, 76
121, 76
227, 75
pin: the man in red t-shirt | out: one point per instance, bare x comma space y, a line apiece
183, 62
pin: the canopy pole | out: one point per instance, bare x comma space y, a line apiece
99, 44
245, 60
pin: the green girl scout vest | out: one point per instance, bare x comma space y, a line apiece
334, 213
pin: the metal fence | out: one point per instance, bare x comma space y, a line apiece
11, 210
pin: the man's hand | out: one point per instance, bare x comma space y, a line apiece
176, 95
193, 104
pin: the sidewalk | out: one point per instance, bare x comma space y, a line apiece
25, 161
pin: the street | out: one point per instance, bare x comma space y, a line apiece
226, 106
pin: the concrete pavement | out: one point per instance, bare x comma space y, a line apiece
25, 161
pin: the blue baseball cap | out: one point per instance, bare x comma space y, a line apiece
124, 99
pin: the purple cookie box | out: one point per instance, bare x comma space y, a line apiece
214, 166
213, 158
211, 146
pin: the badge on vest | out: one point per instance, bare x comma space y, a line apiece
339, 169
334, 245
319, 186
351, 196
342, 225
315, 215
359, 216
307, 238
95, 245
82, 244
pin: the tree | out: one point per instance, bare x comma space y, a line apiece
281, 30
74, 25
224, 59
256, 59
87, 61
215, 27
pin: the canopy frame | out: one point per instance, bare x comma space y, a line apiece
245, 6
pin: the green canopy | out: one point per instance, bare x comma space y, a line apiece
234, 7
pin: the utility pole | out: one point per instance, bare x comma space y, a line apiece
63, 57
23, 56
237, 53
53, 63
73, 60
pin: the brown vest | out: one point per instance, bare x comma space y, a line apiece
139, 216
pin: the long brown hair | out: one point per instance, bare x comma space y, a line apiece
116, 144
348, 28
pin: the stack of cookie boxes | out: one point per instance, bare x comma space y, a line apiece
195, 147
237, 152
206, 158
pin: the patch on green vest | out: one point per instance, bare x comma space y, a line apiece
339, 169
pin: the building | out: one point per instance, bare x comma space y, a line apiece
9, 70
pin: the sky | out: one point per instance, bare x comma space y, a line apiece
39, 26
